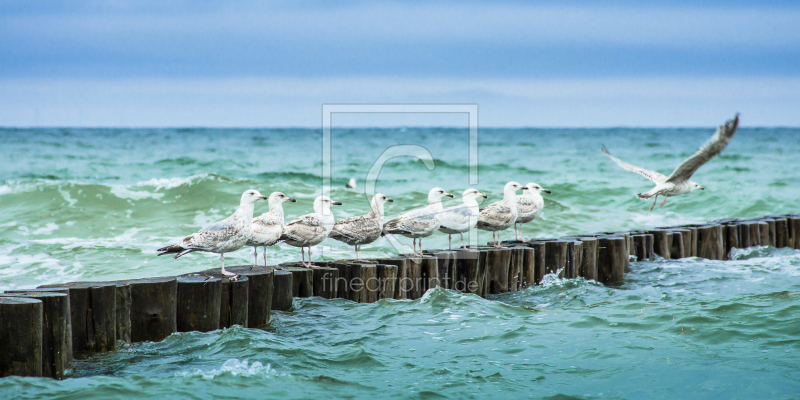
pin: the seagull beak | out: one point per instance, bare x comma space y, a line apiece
702, 188
291, 199
263, 197
389, 201
484, 196
450, 195
336, 203
547, 191
524, 188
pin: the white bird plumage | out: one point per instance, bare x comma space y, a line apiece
225, 236
500, 215
310, 229
529, 205
678, 182
461, 218
267, 227
363, 229
421, 222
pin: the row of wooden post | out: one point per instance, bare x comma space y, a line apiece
42, 329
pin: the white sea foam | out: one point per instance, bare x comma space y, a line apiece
169, 183
5, 189
124, 193
47, 229
234, 367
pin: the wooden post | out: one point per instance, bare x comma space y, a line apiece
387, 278
588, 266
325, 279
153, 308
731, 233
611, 258
234, 298
282, 293
21, 322
68, 333
497, 260
259, 293
469, 276
302, 279
541, 261
413, 285
362, 282
781, 233
55, 336
93, 315
763, 233
755, 233
199, 303
709, 242
661, 244
640, 244
744, 234
123, 312
528, 267
430, 273
515, 269
402, 275
555, 257
676, 250
771, 224
794, 223
446, 262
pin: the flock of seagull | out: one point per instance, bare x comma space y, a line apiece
241, 229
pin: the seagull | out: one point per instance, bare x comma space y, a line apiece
310, 229
529, 205
461, 218
225, 236
678, 182
500, 215
363, 229
421, 222
268, 227
351, 184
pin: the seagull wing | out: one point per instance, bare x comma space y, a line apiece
709, 150
652, 175
303, 229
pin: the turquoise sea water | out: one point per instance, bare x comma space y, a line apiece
94, 204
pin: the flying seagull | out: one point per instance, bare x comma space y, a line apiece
225, 236
678, 182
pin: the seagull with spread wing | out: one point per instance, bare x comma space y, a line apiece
678, 182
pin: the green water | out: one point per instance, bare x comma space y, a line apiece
95, 204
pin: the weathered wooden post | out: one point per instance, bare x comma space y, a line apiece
781, 233
402, 275
731, 233
772, 238
497, 260
259, 293
469, 272
676, 250
515, 268
446, 262
302, 281
640, 244
661, 244
611, 258
588, 268
540, 253
21, 322
414, 286
555, 256
744, 234
755, 233
234, 299
153, 308
68, 319
528, 267
93, 315
55, 335
199, 303
430, 273
710, 244
283, 293
794, 223
387, 277
763, 233
325, 282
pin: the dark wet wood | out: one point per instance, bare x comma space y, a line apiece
199, 303
56, 347
771, 232
661, 243
588, 266
763, 233
302, 281
515, 268
710, 242
430, 273
387, 278
731, 233
497, 262
282, 294
68, 333
21, 321
540, 254
324, 281
677, 249
781, 233
153, 308
259, 293
469, 276
413, 285
794, 225
446, 263
402, 275
528, 273
93, 315
640, 247
555, 257
611, 256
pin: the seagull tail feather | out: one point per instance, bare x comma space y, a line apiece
175, 248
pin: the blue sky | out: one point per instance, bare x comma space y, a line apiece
592, 63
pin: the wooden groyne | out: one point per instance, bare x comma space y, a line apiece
43, 329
